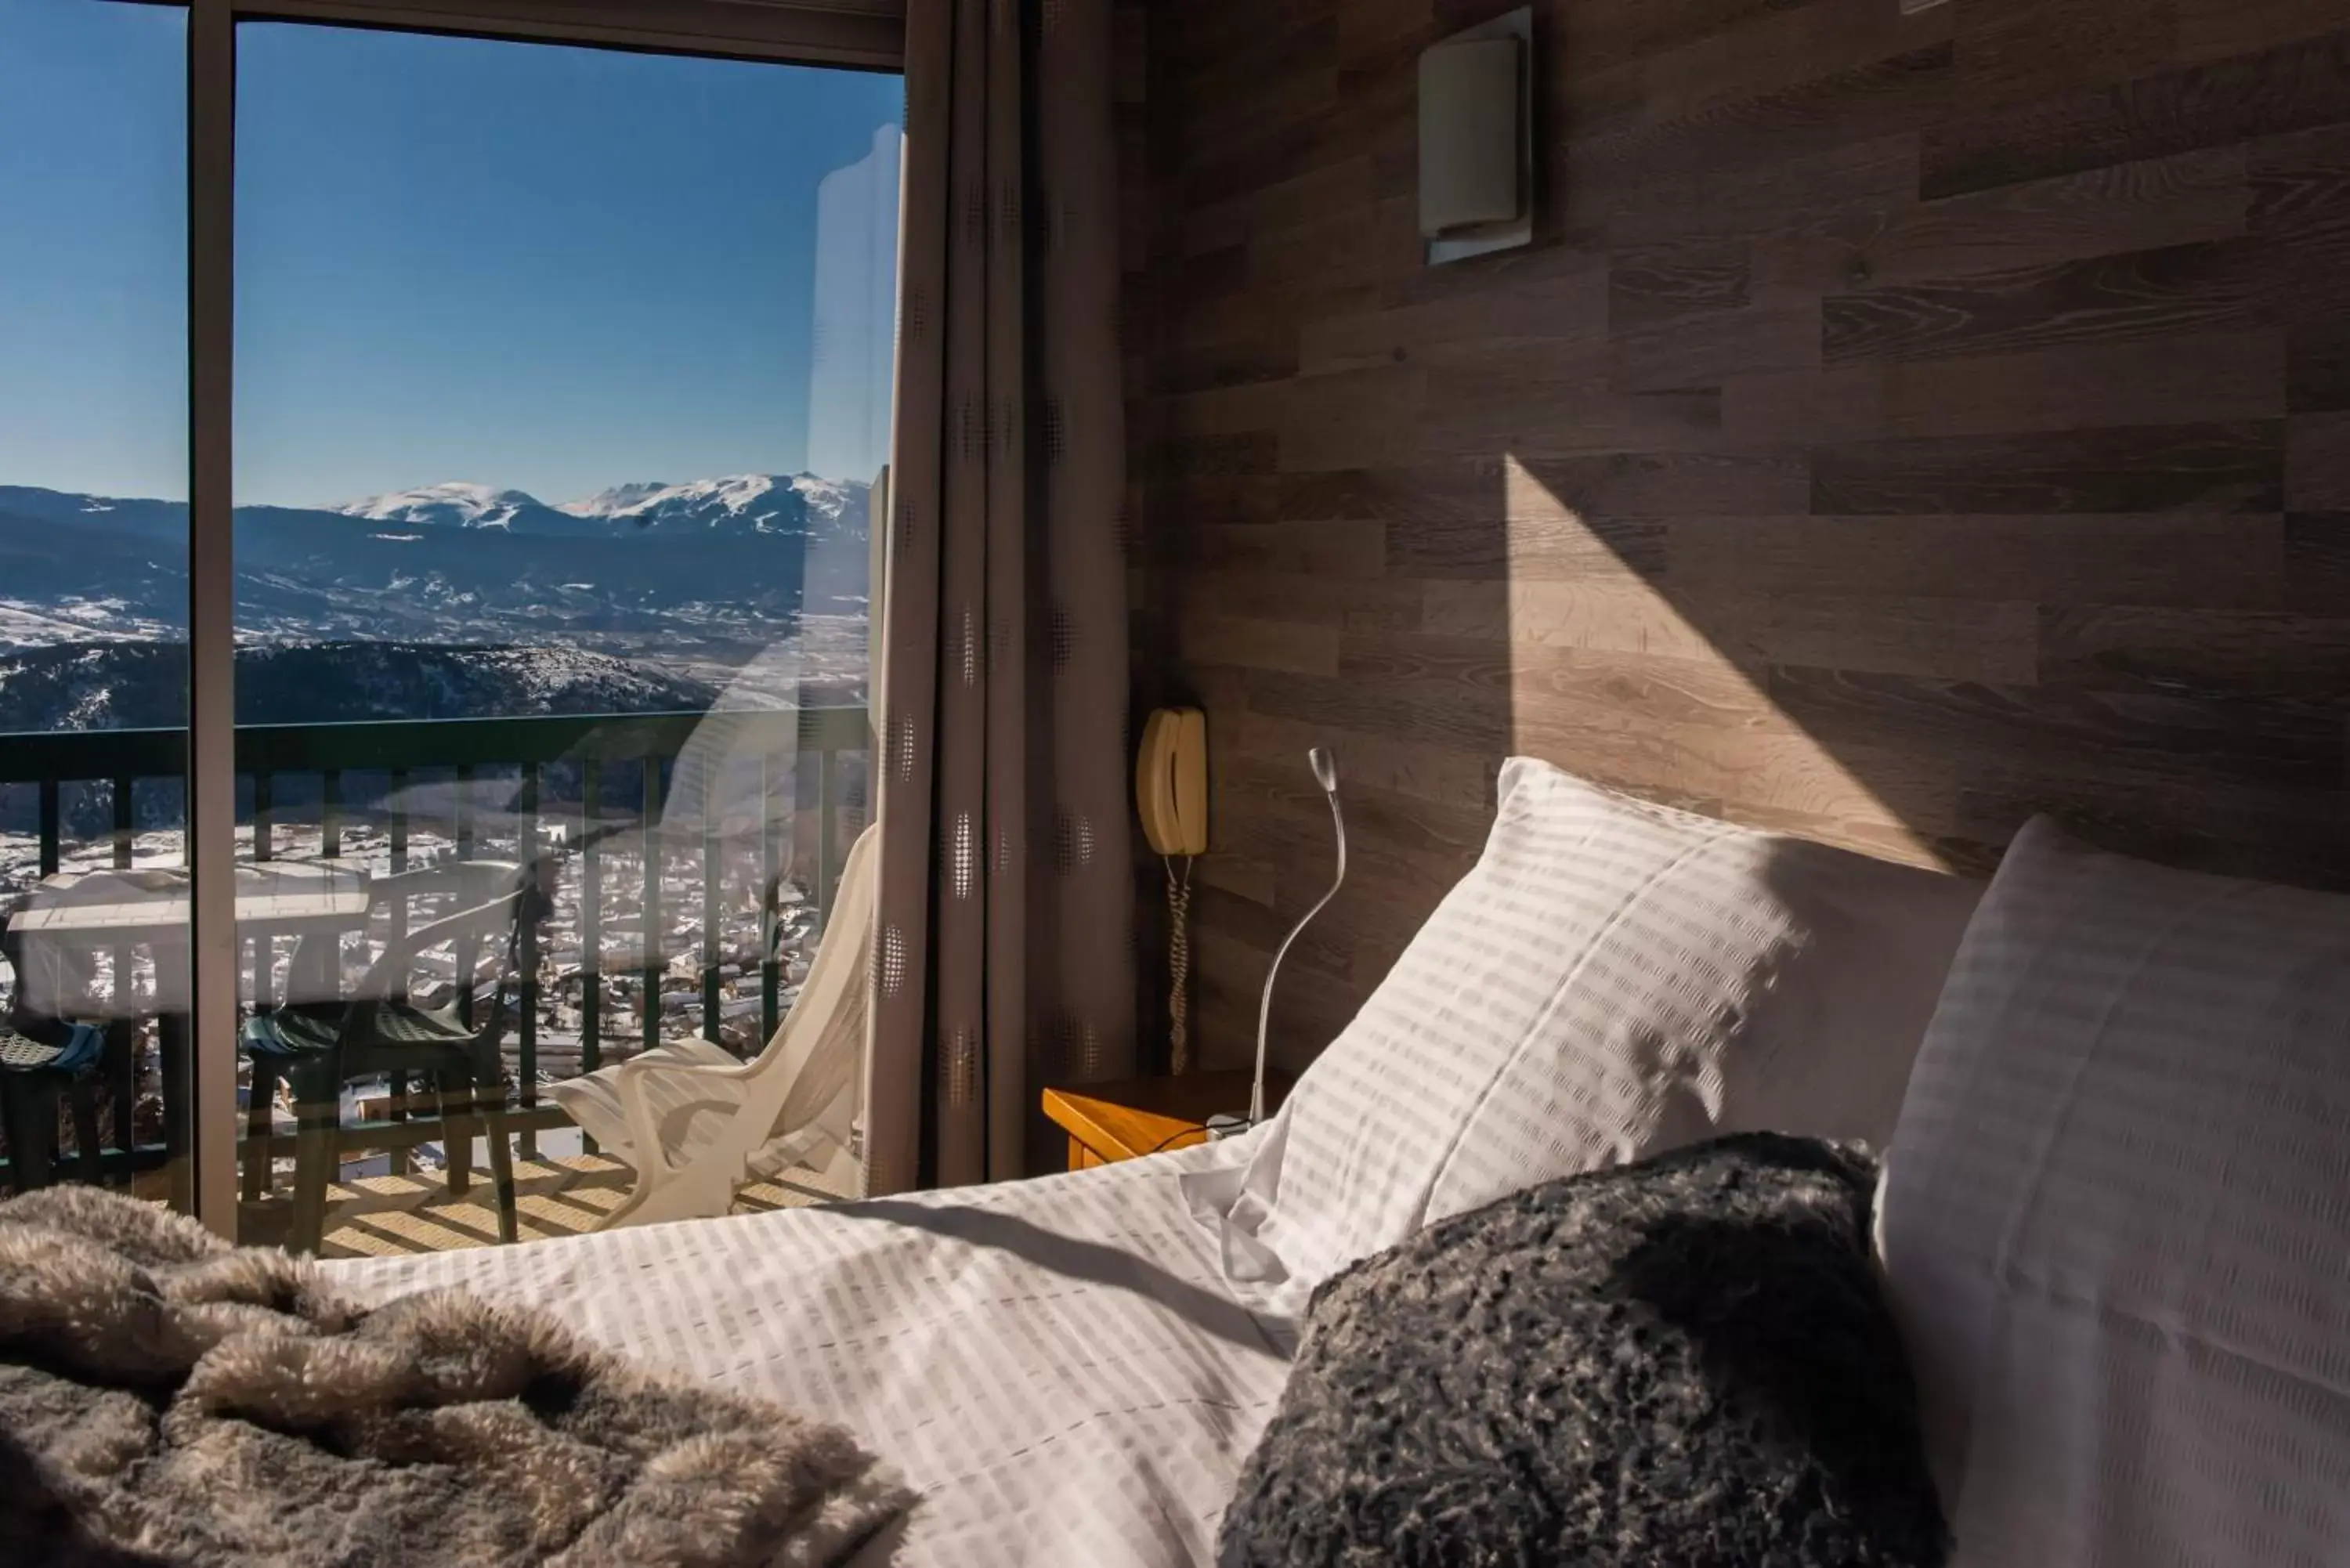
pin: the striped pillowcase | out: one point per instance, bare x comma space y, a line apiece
2117, 1220
1611, 980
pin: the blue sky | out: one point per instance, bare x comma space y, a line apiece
551, 268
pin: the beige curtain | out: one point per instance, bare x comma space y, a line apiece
1003, 958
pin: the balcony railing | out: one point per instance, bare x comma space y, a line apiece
570, 787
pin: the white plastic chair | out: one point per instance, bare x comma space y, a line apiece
696, 1123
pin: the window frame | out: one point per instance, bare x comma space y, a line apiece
853, 34
856, 34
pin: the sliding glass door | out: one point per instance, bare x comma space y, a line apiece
94, 962
562, 381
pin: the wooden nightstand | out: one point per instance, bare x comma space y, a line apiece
1107, 1122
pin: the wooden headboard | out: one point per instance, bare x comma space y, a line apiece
1904, 425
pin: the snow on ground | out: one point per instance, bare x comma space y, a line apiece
564, 983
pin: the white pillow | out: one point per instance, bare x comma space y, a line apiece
2117, 1226
1611, 980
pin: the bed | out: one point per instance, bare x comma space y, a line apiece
1072, 1369
2112, 1225
1059, 1366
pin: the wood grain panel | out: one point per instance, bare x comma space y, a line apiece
1522, 410
1311, 599
1349, 420
2014, 50
1902, 425
1468, 491
1547, 544
1260, 643
2300, 227
1620, 612
2247, 830
1649, 283
2216, 29
2317, 561
1661, 485
2317, 462
1475, 722
1829, 187
1714, 626
2224, 560
2317, 369
2139, 206
1350, 549
1789, 50
1960, 638
2146, 294
1557, 310
1596, 36
2179, 737
2156, 468
1447, 777
1228, 224
1698, 351
1643, 166
2175, 651
2283, 89
2205, 378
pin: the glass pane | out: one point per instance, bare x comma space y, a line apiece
93, 594
563, 384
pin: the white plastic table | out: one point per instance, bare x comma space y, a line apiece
93, 911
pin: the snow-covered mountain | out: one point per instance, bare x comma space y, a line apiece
699, 581
798, 504
754, 503
461, 506
619, 499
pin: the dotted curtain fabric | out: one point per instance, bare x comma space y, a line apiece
1003, 958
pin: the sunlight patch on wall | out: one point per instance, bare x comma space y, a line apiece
1620, 677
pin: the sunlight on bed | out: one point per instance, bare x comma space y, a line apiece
390, 1216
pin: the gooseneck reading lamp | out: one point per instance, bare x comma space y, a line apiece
1326, 774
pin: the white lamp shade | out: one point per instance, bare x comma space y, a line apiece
1470, 138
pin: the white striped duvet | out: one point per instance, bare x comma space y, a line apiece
1058, 1365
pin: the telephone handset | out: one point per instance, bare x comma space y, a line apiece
1170, 781
1171, 794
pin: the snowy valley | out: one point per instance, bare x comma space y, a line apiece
752, 586
458, 601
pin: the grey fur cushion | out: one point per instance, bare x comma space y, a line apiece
1684, 1361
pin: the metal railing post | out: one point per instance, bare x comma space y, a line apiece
710, 855
652, 958
647, 743
527, 983
770, 897
591, 925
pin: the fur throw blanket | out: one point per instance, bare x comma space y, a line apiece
166, 1398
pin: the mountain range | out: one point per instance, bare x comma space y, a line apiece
450, 599
740, 503
677, 564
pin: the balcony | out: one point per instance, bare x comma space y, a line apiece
692, 858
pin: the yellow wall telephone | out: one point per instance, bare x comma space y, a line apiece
1170, 781
1171, 794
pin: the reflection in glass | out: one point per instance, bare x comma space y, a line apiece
93, 595
564, 379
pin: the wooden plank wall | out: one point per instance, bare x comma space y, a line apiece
1904, 425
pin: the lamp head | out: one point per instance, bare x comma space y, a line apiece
1325, 770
